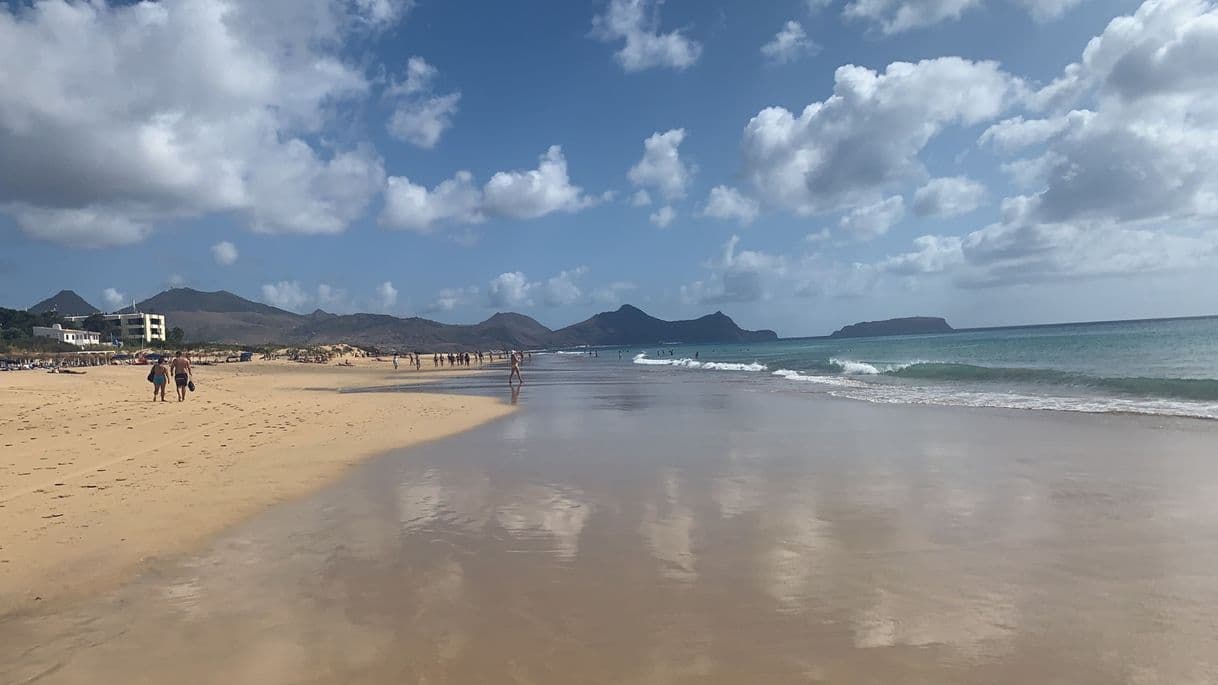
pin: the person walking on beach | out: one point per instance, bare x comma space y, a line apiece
395, 361
181, 374
515, 373
160, 378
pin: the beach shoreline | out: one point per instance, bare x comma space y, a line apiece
96, 479
776, 537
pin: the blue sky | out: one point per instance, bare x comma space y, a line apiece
975, 162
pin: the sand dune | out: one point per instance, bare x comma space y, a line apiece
95, 477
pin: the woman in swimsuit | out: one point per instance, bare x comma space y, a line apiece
515, 373
160, 378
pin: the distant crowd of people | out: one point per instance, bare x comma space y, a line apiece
458, 359
466, 360
61, 362
439, 360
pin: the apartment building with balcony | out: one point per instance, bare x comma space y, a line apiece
137, 328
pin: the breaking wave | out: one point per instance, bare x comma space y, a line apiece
687, 363
1197, 389
979, 386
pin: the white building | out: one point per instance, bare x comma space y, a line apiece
67, 335
138, 328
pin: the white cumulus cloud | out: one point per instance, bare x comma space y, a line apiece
870, 221
612, 294
637, 23
728, 203
525, 194
419, 78
931, 254
661, 167
420, 116
449, 299
1044, 10
514, 290
663, 216
852, 149
197, 106
535, 192
737, 276
93, 226
510, 289
949, 196
895, 16
113, 299
563, 289
286, 295
415, 208
225, 253
422, 122
386, 296
1122, 184
1018, 133
789, 44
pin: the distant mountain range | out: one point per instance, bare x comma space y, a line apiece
912, 325
632, 326
224, 317
65, 303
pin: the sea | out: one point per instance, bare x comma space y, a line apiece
1160, 367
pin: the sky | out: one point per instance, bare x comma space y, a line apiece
796, 164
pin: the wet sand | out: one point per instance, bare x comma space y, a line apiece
624, 528
95, 477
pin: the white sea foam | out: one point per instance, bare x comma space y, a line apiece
1090, 405
641, 358
853, 368
853, 383
726, 366
883, 393
837, 381
687, 363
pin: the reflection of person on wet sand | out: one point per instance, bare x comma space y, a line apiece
515, 392
515, 369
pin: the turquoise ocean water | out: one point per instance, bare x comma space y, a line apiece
1167, 367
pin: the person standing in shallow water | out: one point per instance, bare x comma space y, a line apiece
516, 359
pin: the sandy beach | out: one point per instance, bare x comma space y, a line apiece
95, 477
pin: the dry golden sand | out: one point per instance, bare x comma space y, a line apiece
95, 477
